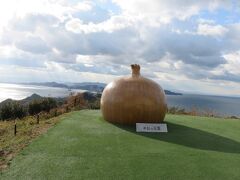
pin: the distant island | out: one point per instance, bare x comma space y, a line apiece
87, 95
167, 92
89, 86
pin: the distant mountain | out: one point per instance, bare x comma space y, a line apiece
32, 97
5, 102
48, 84
90, 96
167, 92
89, 86
23, 101
98, 87
87, 83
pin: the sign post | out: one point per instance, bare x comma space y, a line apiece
151, 127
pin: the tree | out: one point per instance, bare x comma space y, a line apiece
45, 104
12, 110
6, 111
35, 107
18, 110
48, 104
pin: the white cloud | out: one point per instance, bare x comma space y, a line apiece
233, 63
54, 66
93, 59
60, 40
60, 74
164, 11
32, 44
114, 23
84, 6
205, 21
148, 13
59, 8
211, 30
6, 51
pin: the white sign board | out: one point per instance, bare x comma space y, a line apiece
151, 127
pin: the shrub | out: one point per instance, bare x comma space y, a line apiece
77, 101
6, 111
18, 110
48, 104
45, 104
34, 107
95, 104
12, 110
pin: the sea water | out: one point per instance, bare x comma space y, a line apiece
218, 105
18, 91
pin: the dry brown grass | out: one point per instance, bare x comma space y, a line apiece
27, 130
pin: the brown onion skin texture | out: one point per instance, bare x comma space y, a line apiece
133, 99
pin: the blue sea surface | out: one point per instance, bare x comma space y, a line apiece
218, 105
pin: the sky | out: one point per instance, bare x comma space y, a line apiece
189, 46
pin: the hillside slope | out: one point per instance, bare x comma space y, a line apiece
84, 146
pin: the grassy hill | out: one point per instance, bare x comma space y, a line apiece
84, 146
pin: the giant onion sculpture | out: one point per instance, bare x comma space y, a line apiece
133, 99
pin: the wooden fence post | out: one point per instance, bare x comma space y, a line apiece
37, 118
15, 128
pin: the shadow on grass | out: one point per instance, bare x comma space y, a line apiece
191, 137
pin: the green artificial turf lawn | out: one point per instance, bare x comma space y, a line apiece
84, 146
